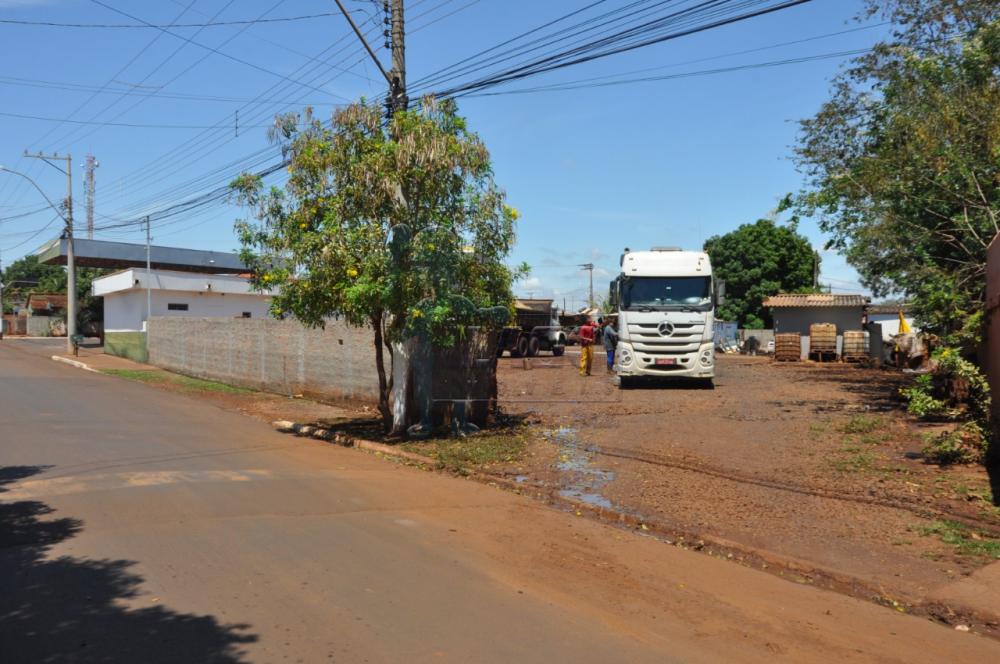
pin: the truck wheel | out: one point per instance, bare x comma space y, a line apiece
533, 346
558, 350
521, 348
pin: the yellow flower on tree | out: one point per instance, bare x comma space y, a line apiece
351, 272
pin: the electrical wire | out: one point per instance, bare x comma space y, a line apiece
148, 26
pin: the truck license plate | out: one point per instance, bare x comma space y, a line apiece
666, 360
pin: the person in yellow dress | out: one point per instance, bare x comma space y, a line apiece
588, 333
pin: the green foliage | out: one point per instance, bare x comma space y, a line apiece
398, 226
861, 424
52, 279
955, 390
903, 161
967, 444
965, 541
465, 455
184, 383
758, 260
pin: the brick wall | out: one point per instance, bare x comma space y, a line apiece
283, 357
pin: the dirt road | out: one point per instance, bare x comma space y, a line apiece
141, 525
816, 464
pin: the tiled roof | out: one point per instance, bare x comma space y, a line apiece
815, 300
45, 301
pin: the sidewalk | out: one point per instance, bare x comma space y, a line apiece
94, 358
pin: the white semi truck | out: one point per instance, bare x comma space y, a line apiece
665, 299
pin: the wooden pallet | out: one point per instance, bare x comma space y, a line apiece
823, 355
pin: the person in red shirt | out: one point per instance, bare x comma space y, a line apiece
588, 333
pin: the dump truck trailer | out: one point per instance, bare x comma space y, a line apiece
536, 328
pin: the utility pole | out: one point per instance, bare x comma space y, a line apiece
398, 100
149, 296
70, 256
590, 268
89, 165
1, 298
815, 271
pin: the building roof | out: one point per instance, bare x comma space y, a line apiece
101, 253
888, 308
173, 280
790, 300
45, 302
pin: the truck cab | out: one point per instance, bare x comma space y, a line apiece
665, 299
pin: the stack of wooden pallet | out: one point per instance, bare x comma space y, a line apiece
823, 342
788, 347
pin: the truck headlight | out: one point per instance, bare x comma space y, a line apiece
624, 356
707, 356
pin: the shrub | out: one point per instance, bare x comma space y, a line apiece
955, 390
966, 444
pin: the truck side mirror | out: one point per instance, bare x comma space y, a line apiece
613, 296
720, 292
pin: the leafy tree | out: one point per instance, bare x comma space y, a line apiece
52, 279
398, 226
903, 161
758, 260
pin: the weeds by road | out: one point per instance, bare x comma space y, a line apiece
184, 383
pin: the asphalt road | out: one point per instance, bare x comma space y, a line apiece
142, 526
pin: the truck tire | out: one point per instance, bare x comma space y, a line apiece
533, 346
520, 348
558, 350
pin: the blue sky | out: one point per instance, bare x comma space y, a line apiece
591, 170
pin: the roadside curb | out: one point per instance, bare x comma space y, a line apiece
789, 568
74, 363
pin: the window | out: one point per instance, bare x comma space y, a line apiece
246, 314
666, 292
177, 306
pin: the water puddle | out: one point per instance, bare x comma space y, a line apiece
581, 481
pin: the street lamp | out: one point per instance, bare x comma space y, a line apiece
70, 258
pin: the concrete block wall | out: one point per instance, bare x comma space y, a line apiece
284, 357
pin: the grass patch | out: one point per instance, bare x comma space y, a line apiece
463, 455
817, 428
861, 424
856, 461
964, 539
144, 376
184, 383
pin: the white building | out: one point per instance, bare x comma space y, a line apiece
175, 294
887, 315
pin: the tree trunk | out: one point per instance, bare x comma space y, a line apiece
401, 351
383, 384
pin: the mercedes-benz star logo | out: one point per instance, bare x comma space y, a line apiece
666, 328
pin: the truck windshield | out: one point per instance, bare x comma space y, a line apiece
655, 292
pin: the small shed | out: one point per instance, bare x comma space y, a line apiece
797, 312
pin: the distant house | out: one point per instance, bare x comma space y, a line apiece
172, 293
887, 315
45, 304
44, 315
796, 313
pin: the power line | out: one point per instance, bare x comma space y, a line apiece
577, 85
223, 54
148, 26
103, 123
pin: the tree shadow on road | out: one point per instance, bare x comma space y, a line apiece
69, 609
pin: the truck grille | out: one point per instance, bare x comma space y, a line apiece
646, 338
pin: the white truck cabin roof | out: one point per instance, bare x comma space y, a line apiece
668, 262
